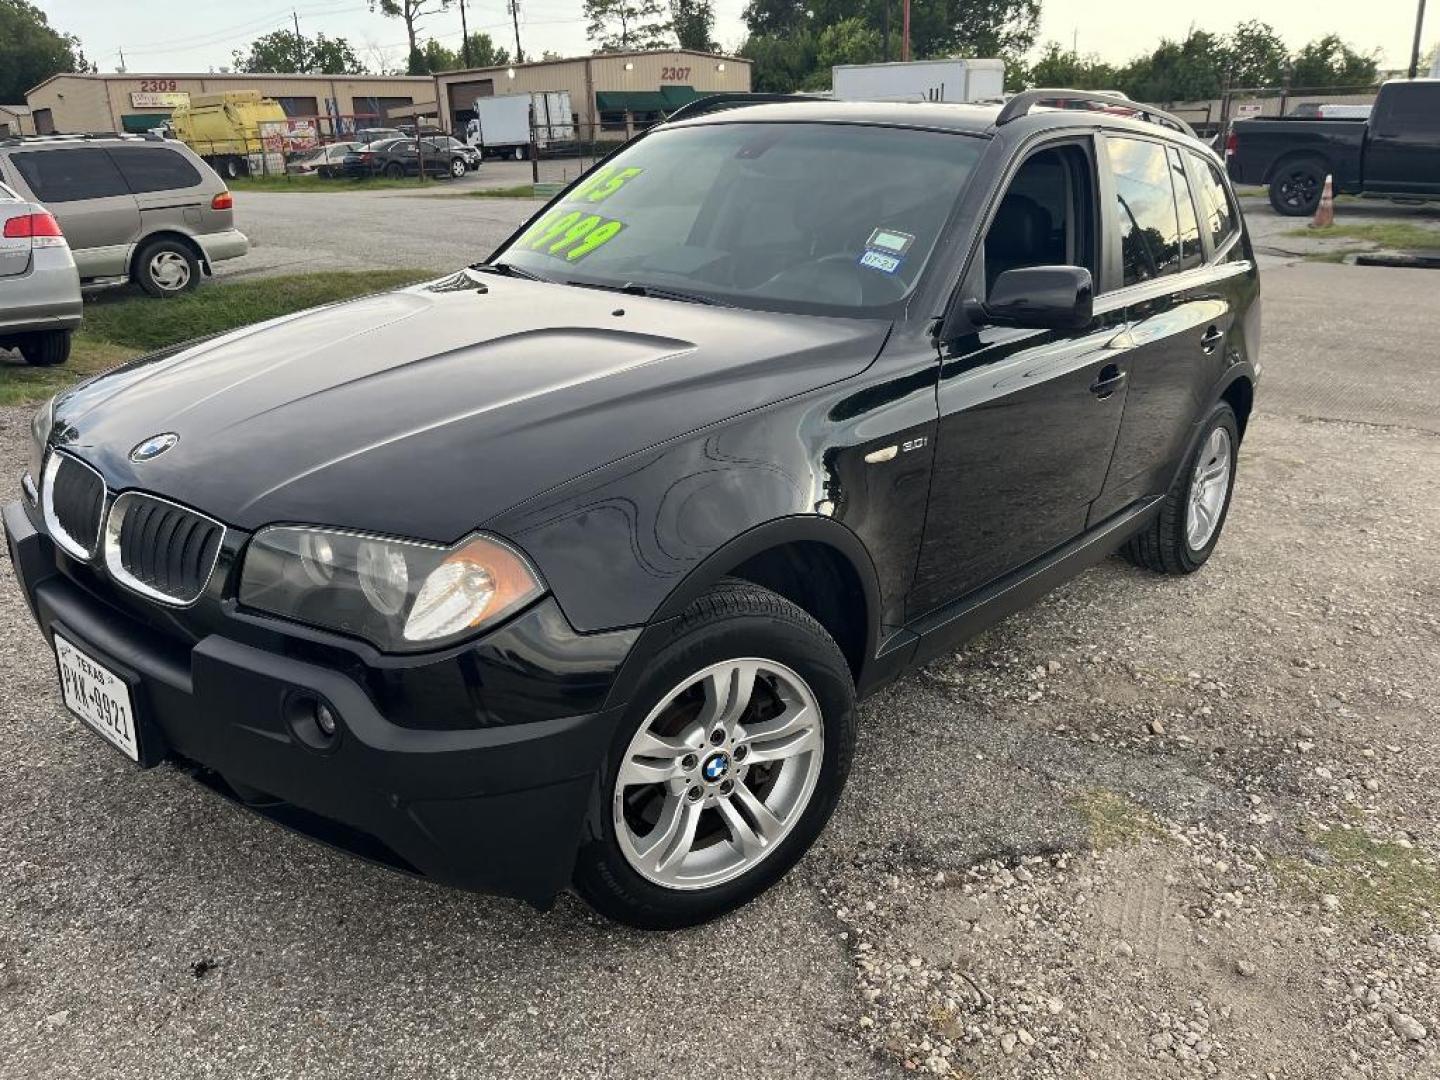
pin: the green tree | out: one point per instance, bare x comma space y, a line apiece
1255, 55
286, 51
780, 63
1329, 62
411, 12
31, 50
765, 17
849, 41
623, 25
1059, 66
435, 57
694, 22
1187, 70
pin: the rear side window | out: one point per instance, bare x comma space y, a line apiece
1145, 196
1190, 252
1216, 212
1410, 109
154, 168
58, 176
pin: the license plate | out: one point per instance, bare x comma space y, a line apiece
98, 696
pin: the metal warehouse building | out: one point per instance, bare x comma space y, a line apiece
615, 92
132, 102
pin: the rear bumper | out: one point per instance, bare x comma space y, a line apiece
45, 297
218, 247
498, 809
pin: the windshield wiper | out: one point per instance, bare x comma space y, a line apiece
634, 288
509, 270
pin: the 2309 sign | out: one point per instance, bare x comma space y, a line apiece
157, 86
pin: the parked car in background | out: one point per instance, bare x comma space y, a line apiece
326, 161
1393, 154
133, 209
395, 158
39, 288
469, 154
366, 136
569, 568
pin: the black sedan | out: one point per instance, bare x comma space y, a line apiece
403, 157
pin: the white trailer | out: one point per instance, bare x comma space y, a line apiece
502, 124
920, 80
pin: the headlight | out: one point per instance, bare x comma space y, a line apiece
397, 594
40, 428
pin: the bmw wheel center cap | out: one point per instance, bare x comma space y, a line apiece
715, 767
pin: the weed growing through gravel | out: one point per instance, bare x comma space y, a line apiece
1116, 821
1390, 881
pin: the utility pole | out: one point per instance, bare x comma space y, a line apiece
905, 33
885, 30
1415, 49
515, 15
121, 68
464, 36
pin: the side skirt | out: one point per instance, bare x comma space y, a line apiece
946, 627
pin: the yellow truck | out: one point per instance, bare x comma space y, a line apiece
225, 130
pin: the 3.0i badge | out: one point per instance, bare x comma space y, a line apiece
154, 446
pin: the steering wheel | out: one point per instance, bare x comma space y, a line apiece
834, 278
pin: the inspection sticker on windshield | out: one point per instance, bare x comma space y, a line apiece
878, 260
891, 241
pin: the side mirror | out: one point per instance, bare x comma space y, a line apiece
1038, 298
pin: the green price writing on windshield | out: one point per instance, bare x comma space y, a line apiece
604, 184
571, 235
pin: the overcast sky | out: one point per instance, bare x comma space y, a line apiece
197, 35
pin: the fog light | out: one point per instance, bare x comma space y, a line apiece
325, 719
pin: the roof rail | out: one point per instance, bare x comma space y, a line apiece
1023, 102
733, 100
129, 136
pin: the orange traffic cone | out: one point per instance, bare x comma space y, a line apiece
1325, 212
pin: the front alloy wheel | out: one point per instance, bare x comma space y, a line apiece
729, 762
718, 774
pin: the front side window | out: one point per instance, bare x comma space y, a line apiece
825, 218
1145, 197
1046, 217
153, 168
57, 176
1216, 211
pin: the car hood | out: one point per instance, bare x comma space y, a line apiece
424, 412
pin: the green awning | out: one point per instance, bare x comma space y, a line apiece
138, 123
666, 99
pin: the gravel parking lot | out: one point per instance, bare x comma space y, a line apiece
1149, 828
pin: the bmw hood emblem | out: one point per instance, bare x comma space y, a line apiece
154, 446
716, 766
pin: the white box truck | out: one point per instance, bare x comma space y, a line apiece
501, 127
920, 80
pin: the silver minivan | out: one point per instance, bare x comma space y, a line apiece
133, 209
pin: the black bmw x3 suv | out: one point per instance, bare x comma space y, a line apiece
567, 569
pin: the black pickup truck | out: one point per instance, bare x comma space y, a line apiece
1395, 154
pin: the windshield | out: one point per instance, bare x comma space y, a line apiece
830, 218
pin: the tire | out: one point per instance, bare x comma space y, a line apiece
457, 168
48, 348
395, 171
520, 154
1296, 187
1168, 545
734, 628
166, 268
232, 168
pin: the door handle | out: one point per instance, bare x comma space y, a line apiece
1212, 338
1109, 380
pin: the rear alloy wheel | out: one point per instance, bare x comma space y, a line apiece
1297, 186
46, 348
457, 167
1183, 536
166, 268
738, 745
395, 171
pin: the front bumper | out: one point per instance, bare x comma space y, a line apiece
496, 809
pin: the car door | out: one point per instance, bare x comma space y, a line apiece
83, 188
1178, 306
169, 191
1402, 151
1028, 418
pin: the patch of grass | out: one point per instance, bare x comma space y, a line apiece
1387, 234
121, 325
320, 184
1116, 821
1398, 886
519, 191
